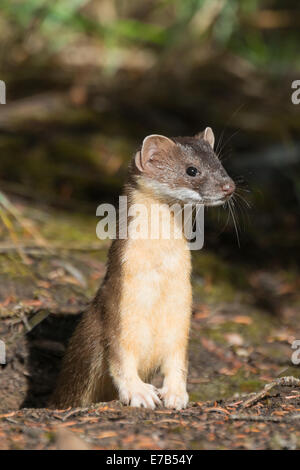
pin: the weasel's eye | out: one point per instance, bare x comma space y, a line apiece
191, 171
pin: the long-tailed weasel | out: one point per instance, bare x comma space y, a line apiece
140, 317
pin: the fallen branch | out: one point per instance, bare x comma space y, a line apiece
288, 381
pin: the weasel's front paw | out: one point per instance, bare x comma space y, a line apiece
174, 399
140, 395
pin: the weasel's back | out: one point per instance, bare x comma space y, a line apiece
82, 379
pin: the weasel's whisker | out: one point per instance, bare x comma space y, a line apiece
243, 199
189, 218
228, 140
227, 124
225, 155
243, 212
231, 209
225, 206
243, 189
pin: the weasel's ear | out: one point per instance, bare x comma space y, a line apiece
207, 135
153, 146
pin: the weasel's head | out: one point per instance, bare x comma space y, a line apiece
184, 169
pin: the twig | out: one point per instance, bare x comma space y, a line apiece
40, 250
217, 410
13, 235
261, 418
7, 210
26, 323
288, 381
73, 412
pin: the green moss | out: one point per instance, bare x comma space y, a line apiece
176, 430
222, 387
197, 445
50, 436
216, 334
70, 228
291, 371
254, 333
11, 265
215, 279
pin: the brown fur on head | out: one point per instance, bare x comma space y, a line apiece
183, 169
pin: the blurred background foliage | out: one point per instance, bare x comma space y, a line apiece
87, 80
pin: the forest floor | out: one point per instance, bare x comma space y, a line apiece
244, 323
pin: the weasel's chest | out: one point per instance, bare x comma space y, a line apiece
156, 299
155, 272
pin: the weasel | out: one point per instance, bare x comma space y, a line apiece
139, 319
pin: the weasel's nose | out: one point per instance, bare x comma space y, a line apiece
228, 188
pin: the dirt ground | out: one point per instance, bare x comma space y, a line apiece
244, 323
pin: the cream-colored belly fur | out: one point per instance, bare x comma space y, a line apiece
156, 299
